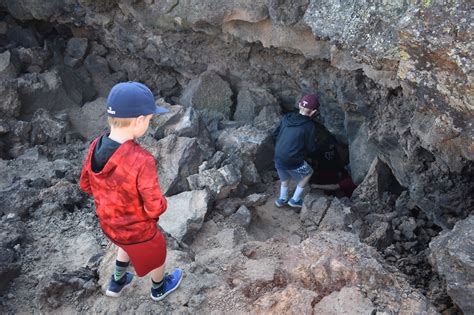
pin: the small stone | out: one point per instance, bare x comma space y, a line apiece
227, 211
242, 217
407, 228
11, 215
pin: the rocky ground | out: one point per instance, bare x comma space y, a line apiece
399, 106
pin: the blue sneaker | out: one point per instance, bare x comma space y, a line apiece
281, 202
115, 287
295, 204
171, 283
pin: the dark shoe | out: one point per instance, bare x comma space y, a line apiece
171, 283
281, 202
295, 204
115, 287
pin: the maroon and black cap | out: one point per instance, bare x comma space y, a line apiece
309, 101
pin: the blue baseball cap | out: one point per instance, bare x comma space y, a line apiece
132, 99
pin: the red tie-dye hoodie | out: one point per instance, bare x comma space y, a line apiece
126, 192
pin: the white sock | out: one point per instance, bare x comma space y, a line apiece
297, 194
283, 192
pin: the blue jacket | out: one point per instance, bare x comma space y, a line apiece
295, 136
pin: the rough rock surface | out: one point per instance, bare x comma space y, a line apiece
347, 301
394, 80
10, 106
220, 182
208, 91
177, 158
259, 106
91, 119
251, 144
391, 97
185, 214
451, 255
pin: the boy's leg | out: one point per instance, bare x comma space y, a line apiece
121, 277
162, 285
284, 189
121, 264
283, 198
157, 275
285, 180
296, 201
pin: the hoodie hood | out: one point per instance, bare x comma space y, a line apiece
103, 150
295, 119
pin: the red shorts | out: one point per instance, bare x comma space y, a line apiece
148, 255
347, 186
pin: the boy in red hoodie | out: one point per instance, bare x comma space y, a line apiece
121, 176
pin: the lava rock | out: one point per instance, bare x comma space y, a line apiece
25, 37
208, 91
250, 144
10, 105
220, 182
178, 158
242, 217
250, 175
452, 257
90, 120
46, 128
287, 12
347, 301
75, 50
407, 227
9, 65
185, 214
314, 209
256, 104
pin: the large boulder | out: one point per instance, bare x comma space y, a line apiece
452, 257
362, 153
90, 120
324, 214
75, 50
379, 180
12, 236
101, 75
46, 128
250, 143
347, 301
208, 91
182, 122
256, 104
185, 214
177, 158
43, 90
9, 65
220, 182
35, 59
25, 37
10, 105
325, 265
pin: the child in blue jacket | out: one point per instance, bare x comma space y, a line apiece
295, 137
